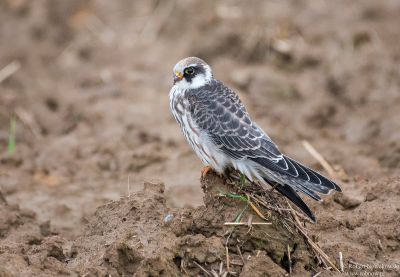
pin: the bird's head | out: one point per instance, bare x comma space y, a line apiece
191, 73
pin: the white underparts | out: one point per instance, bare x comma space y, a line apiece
205, 149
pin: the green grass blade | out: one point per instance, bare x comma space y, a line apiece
11, 138
234, 196
242, 180
240, 215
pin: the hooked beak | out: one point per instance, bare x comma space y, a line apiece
177, 77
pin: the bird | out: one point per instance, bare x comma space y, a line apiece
221, 132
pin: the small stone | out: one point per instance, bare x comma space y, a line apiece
370, 197
168, 218
346, 201
45, 229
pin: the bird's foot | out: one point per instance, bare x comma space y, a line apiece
205, 171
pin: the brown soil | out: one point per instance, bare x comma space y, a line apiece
90, 101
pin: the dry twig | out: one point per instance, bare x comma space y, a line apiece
246, 223
319, 158
202, 268
289, 260
240, 253
227, 257
28, 120
9, 70
341, 262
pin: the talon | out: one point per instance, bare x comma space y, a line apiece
205, 171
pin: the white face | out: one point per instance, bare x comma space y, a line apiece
191, 76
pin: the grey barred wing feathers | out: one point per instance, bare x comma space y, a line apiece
218, 111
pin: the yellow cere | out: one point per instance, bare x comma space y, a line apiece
179, 74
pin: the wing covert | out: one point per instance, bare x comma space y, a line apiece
218, 111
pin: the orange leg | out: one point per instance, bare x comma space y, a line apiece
205, 170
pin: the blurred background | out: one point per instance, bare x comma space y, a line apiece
84, 107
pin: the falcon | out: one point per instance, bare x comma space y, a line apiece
221, 132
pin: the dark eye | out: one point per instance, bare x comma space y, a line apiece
189, 71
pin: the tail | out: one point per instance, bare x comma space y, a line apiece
288, 192
292, 177
311, 179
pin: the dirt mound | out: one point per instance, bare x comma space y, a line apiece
140, 235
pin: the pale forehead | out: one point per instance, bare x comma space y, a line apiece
191, 61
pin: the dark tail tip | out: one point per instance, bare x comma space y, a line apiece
337, 188
295, 198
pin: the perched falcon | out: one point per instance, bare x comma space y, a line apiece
218, 127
